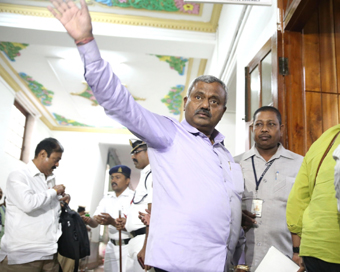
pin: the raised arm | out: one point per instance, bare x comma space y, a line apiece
157, 131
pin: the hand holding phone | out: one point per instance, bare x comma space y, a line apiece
141, 262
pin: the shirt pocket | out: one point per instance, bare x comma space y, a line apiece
283, 187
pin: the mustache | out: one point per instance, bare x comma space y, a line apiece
135, 160
54, 167
113, 183
204, 111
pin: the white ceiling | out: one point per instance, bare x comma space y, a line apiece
51, 58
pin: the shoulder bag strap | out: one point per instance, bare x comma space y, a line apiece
325, 154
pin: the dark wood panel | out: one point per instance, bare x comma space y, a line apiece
280, 95
298, 14
295, 93
330, 110
337, 39
314, 117
311, 59
327, 48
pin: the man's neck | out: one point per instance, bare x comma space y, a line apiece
267, 153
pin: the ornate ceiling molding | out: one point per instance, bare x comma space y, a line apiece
210, 26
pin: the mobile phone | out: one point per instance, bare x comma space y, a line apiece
140, 260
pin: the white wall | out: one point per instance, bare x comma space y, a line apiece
235, 48
260, 26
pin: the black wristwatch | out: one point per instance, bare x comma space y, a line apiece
296, 249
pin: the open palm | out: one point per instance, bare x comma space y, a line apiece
76, 21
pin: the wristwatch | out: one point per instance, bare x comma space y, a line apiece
296, 249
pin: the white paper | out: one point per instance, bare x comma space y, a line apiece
276, 261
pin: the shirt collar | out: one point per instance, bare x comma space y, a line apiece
145, 169
218, 137
281, 151
126, 192
33, 169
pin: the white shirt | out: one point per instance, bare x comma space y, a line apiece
142, 196
32, 217
336, 156
274, 189
111, 204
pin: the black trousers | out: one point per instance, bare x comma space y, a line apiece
159, 270
316, 265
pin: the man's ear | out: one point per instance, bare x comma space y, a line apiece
185, 99
282, 129
42, 154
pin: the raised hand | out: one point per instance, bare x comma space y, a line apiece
76, 21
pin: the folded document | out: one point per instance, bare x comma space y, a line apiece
276, 261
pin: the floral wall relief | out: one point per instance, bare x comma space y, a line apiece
176, 63
45, 96
11, 50
173, 100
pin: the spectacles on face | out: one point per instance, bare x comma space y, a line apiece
137, 151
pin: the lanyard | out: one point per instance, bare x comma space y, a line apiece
264, 172
133, 199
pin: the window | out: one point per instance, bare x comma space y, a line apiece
17, 131
261, 85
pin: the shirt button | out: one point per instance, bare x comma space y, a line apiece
260, 222
265, 180
259, 244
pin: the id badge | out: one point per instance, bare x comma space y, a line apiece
256, 207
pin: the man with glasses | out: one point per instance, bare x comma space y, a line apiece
141, 201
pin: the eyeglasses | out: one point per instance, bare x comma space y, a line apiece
137, 151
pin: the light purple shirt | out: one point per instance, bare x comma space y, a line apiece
196, 184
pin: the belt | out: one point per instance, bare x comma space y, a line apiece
116, 242
138, 232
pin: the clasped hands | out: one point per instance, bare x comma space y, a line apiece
106, 219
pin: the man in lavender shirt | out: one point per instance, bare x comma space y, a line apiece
196, 214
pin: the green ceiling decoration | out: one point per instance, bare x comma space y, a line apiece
68, 122
159, 5
176, 63
11, 49
173, 100
88, 94
45, 96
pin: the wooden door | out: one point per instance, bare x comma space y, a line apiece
311, 43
